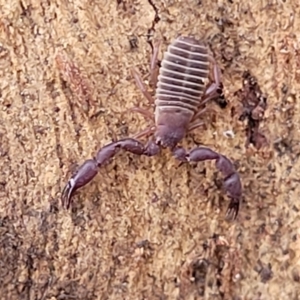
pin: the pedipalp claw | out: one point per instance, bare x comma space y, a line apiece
67, 193
233, 209
86, 172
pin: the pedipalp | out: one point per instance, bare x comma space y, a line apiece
232, 183
89, 169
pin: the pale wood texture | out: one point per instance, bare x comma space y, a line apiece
134, 232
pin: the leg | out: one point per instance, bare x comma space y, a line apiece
202, 111
143, 111
89, 168
142, 87
153, 65
232, 183
196, 123
149, 130
198, 114
193, 126
216, 87
152, 80
153, 74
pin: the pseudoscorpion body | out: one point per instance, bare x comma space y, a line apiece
188, 78
182, 89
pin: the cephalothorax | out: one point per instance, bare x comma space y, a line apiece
188, 78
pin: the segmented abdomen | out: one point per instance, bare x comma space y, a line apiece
183, 75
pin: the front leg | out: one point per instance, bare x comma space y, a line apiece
232, 183
89, 169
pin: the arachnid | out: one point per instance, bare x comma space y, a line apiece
188, 78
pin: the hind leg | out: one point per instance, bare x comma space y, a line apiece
152, 77
141, 85
154, 68
143, 88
